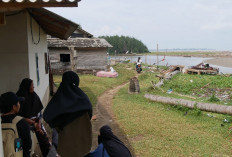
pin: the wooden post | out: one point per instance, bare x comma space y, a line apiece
146, 59
157, 57
72, 58
1, 147
2, 19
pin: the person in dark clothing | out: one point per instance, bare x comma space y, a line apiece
112, 144
31, 110
9, 106
70, 111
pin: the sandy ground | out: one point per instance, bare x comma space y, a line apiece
225, 62
105, 116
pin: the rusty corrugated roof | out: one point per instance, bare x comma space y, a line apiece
78, 43
52, 23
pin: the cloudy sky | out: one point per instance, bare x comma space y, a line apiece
170, 23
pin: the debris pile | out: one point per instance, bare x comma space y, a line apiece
201, 69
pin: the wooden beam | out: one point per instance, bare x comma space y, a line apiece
2, 19
11, 6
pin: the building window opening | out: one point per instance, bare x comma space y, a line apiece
65, 57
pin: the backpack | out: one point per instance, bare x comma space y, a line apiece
12, 144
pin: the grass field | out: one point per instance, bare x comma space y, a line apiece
206, 88
156, 129
94, 86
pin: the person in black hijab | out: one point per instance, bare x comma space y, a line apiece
70, 111
112, 144
31, 111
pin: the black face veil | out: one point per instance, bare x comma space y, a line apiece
68, 103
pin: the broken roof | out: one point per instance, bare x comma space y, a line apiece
85, 32
78, 43
52, 23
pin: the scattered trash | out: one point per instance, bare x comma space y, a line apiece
112, 69
169, 91
210, 115
201, 69
222, 125
110, 120
191, 81
226, 121
185, 113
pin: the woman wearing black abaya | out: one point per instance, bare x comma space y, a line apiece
113, 146
31, 111
70, 111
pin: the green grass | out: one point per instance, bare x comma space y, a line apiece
202, 87
156, 129
95, 86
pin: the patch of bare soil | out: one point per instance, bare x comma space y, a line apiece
222, 94
105, 116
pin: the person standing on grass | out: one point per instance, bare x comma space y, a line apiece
70, 112
31, 110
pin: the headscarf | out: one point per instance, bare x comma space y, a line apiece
112, 144
32, 104
68, 103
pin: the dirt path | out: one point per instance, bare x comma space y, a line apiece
106, 116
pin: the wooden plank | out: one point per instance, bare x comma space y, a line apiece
2, 19
12, 6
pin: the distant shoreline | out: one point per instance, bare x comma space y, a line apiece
225, 62
184, 54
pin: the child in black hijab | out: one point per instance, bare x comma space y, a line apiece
109, 145
31, 111
70, 111
112, 144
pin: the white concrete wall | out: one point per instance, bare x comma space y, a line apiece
40, 49
13, 52
17, 54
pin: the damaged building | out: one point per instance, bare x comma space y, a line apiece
82, 53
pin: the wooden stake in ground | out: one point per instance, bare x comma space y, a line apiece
157, 57
134, 87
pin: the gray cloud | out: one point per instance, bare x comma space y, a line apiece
171, 23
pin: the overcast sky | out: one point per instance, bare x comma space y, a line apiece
170, 23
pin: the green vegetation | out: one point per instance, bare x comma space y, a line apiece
207, 88
156, 129
122, 44
95, 86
